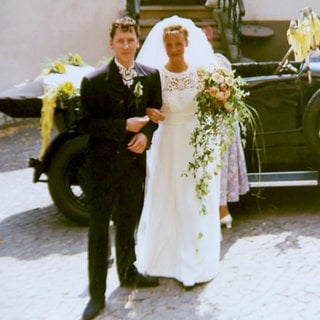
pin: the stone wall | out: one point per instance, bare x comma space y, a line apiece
33, 32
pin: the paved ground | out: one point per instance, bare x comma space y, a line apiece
269, 264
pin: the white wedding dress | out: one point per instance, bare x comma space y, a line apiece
174, 239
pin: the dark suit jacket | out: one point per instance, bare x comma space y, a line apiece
106, 103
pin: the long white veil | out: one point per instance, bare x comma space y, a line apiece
198, 53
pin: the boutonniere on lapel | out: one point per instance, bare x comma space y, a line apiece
138, 91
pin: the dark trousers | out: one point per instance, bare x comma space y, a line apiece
123, 201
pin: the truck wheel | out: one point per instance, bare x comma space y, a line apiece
311, 125
65, 180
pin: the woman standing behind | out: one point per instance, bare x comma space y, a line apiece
234, 178
174, 240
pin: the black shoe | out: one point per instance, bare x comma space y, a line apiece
140, 281
146, 281
93, 309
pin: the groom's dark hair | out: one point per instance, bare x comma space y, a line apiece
126, 24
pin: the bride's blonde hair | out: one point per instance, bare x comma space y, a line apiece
175, 29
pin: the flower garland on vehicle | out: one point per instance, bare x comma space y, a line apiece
63, 92
220, 105
304, 34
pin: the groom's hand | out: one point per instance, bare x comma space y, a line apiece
138, 143
135, 124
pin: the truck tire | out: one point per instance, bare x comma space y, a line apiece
65, 180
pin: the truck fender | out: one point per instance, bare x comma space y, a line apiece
311, 125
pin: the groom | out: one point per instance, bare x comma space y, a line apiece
114, 99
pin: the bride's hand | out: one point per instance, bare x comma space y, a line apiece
155, 115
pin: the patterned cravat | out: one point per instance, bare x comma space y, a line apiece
127, 74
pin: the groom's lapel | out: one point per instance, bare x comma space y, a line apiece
139, 69
114, 81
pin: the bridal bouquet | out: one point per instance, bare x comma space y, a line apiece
220, 105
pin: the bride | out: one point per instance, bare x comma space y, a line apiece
174, 240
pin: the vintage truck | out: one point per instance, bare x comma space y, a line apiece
285, 151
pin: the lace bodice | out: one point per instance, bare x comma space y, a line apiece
178, 81
178, 93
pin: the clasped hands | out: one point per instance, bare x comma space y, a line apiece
139, 141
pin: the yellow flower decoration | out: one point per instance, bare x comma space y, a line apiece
304, 34
74, 60
46, 120
63, 92
66, 90
57, 67
56, 95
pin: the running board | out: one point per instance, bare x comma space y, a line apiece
283, 179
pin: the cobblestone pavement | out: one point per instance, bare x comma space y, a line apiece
269, 263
